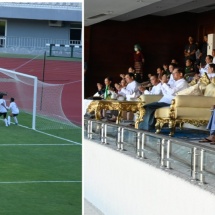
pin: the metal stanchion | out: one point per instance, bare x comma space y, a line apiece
118, 138
102, 133
143, 146
105, 134
193, 164
168, 154
201, 168
162, 150
138, 145
122, 140
89, 129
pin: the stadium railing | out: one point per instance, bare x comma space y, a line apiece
192, 160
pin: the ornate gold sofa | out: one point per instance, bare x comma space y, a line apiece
188, 107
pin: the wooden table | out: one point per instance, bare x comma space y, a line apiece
130, 106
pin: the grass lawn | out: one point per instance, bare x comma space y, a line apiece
40, 174
62, 130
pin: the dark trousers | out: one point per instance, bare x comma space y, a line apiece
211, 124
148, 122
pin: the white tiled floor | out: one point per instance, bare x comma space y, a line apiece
90, 209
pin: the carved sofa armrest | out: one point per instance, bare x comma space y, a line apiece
194, 101
194, 110
149, 98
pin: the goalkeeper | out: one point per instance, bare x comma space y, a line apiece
3, 108
14, 111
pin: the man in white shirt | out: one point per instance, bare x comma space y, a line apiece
208, 60
128, 91
168, 94
171, 79
156, 89
131, 88
211, 70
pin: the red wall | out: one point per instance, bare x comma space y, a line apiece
109, 45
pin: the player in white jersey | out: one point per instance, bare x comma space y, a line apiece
3, 109
14, 111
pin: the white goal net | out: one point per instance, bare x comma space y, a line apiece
40, 103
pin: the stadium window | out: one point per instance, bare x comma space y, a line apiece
2, 32
75, 32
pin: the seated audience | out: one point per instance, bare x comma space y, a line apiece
160, 72
168, 94
105, 91
101, 89
131, 88
204, 69
189, 67
123, 84
174, 61
156, 89
166, 69
211, 70
128, 115
147, 83
131, 70
171, 79
189, 70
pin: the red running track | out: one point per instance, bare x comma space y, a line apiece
56, 71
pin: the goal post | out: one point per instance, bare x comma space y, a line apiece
16, 75
34, 103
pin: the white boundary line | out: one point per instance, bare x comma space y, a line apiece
59, 137
52, 135
36, 182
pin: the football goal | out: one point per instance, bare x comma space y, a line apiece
40, 103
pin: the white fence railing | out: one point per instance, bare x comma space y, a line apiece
31, 42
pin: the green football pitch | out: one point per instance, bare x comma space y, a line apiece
40, 171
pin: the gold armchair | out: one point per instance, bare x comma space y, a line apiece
191, 105
194, 110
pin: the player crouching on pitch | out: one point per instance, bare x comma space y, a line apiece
3, 109
14, 111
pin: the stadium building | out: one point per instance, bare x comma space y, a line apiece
31, 28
